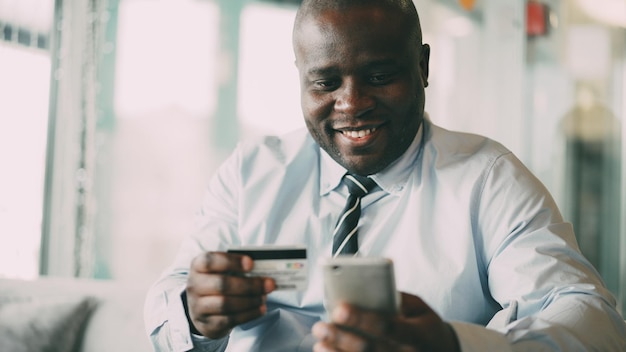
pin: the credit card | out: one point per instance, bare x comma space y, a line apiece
287, 265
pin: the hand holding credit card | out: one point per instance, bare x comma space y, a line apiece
287, 265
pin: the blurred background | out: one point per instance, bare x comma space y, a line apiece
114, 114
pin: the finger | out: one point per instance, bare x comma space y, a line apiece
332, 338
220, 262
366, 321
412, 306
335, 338
225, 305
421, 326
212, 284
422, 323
424, 330
381, 324
215, 326
428, 332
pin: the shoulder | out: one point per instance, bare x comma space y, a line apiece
474, 160
453, 147
278, 150
261, 161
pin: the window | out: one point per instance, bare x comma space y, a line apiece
24, 94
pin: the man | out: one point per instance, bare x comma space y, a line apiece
476, 239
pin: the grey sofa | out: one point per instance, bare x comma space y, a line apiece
64, 314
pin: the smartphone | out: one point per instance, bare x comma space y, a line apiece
366, 282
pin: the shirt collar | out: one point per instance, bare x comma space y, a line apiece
392, 179
331, 173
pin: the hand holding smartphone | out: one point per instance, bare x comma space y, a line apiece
366, 282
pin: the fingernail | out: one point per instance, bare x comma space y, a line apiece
247, 263
269, 285
318, 347
340, 315
320, 331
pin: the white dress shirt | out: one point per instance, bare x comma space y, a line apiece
470, 230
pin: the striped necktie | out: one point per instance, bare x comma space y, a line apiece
345, 240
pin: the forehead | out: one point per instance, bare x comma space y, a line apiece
354, 19
364, 31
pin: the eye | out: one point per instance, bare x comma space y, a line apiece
380, 78
326, 84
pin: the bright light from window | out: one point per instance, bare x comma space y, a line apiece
269, 93
166, 57
36, 15
24, 88
612, 12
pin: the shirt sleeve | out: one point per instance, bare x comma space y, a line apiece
172, 334
164, 314
552, 297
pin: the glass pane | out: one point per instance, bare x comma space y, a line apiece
24, 89
176, 65
154, 149
576, 89
269, 95
196, 71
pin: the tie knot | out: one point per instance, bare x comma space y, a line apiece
359, 185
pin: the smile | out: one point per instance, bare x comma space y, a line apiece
359, 134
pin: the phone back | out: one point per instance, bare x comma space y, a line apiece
364, 282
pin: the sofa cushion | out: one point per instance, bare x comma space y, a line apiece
116, 323
43, 324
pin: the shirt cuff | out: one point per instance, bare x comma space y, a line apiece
477, 338
180, 331
179, 335
201, 343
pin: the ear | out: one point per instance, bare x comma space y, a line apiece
424, 59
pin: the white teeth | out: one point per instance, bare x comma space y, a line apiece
360, 133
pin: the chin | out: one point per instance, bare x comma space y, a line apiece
363, 169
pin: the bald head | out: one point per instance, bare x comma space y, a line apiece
363, 70
403, 9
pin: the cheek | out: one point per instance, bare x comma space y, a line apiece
407, 100
400, 93
316, 108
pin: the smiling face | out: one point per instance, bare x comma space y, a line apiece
362, 79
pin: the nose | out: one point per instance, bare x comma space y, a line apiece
353, 99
